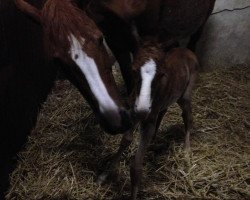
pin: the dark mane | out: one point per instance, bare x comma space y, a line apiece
62, 18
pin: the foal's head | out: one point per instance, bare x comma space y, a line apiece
161, 77
73, 38
146, 74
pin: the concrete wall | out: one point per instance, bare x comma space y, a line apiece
226, 37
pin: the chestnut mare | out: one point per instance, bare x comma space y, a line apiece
28, 68
72, 37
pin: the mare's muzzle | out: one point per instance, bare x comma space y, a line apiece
114, 122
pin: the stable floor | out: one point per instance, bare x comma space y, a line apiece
67, 149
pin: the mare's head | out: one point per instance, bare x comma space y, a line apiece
146, 75
72, 37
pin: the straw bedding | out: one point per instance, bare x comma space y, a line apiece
67, 149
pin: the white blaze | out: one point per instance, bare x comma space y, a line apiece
91, 73
148, 71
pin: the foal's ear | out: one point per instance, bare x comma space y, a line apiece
30, 10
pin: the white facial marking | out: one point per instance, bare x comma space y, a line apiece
90, 70
144, 102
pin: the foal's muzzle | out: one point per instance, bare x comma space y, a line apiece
114, 122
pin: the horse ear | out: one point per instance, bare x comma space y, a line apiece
30, 10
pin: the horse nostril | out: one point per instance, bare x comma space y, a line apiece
116, 122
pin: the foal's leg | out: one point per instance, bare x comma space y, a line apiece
185, 105
147, 132
158, 122
125, 142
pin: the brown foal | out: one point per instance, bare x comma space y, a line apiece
161, 79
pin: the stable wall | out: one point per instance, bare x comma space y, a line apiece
226, 37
